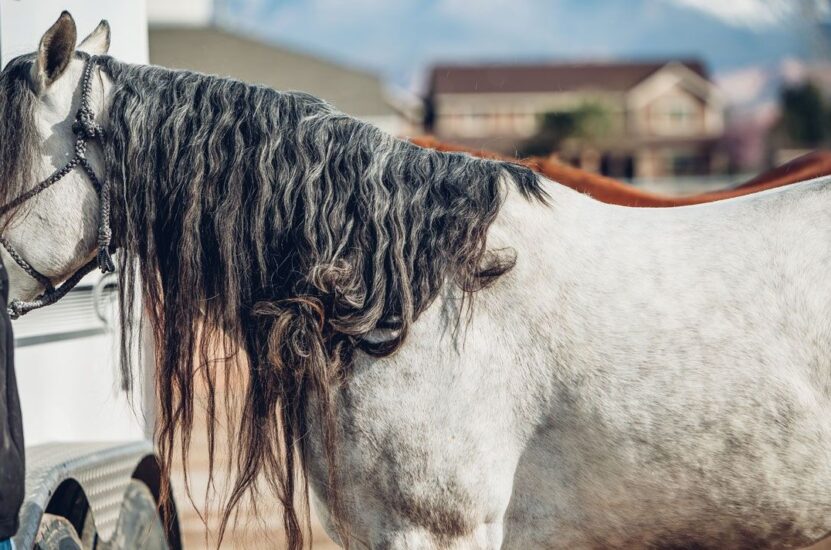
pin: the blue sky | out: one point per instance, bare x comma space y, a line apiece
399, 39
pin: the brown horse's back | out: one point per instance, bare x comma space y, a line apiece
812, 165
608, 190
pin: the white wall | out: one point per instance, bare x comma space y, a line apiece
180, 12
23, 22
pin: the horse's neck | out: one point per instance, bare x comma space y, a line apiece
513, 321
544, 236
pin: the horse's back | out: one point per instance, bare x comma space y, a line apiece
693, 373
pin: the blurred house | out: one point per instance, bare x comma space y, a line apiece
183, 36
645, 120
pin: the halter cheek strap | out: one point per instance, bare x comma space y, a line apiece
86, 130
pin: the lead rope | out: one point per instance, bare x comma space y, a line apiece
86, 129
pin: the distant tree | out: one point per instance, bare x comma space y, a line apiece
587, 125
805, 117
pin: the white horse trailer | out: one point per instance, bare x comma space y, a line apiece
92, 479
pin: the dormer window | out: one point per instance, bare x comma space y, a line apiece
675, 115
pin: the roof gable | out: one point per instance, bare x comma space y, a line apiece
547, 77
670, 76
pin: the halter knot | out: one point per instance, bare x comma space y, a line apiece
85, 127
105, 260
16, 308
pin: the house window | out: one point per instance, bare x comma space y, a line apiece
676, 115
684, 163
473, 124
524, 123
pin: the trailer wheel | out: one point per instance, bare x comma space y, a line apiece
139, 526
57, 533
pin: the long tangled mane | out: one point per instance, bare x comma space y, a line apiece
288, 231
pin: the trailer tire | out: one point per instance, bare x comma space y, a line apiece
57, 533
139, 525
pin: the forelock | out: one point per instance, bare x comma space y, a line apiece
19, 138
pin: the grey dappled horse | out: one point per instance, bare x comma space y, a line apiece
457, 352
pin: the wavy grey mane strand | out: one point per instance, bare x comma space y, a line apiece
287, 230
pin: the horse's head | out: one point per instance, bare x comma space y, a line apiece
51, 228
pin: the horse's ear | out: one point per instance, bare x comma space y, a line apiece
56, 49
98, 41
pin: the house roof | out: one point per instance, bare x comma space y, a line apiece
215, 51
547, 77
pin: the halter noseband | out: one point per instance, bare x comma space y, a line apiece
86, 129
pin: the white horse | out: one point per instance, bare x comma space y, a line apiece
641, 378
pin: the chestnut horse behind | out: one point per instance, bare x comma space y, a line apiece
611, 191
